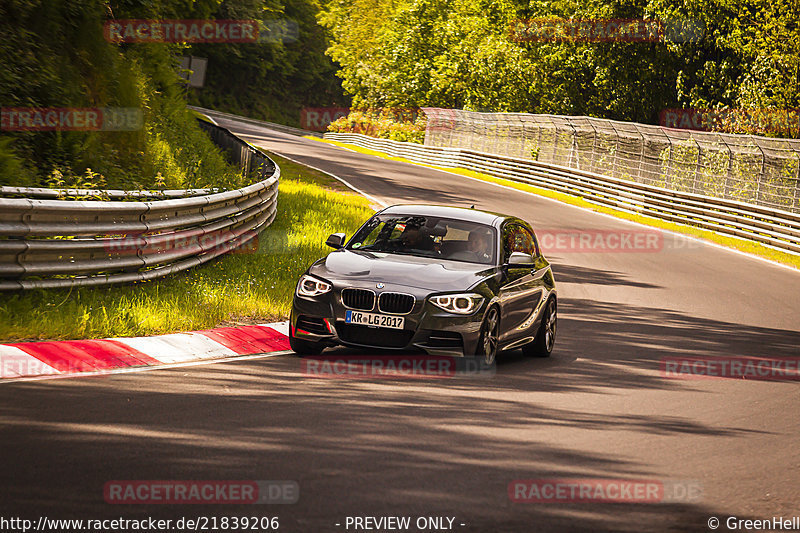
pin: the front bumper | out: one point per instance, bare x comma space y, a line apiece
321, 319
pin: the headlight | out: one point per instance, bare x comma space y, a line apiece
311, 286
462, 304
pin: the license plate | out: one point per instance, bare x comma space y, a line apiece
372, 319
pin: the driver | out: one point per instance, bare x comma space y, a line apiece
414, 238
479, 245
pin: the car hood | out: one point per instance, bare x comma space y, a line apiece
420, 272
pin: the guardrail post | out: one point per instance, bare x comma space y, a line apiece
20, 257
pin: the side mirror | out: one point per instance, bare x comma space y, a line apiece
520, 258
336, 240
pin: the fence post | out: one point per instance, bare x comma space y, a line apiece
593, 164
696, 165
428, 138
524, 138
538, 141
573, 148
451, 131
797, 185
616, 150
460, 139
473, 129
485, 136
726, 187
641, 155
499, 147
668, 172
507, 127
761, 174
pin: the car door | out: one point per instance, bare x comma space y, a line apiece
523, 286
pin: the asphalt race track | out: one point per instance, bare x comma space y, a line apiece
599, 408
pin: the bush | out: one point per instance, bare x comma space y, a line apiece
408, 126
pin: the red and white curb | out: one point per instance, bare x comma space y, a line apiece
56, 358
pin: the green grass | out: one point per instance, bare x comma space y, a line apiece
242, 288
742, 245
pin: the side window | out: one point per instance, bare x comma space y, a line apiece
517, 238
532, 236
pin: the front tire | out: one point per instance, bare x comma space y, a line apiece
545, 340
302, 347
489, 339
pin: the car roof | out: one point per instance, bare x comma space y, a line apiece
458, 213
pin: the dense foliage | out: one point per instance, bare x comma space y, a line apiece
54, 54
408, 126
463, 54
270, 80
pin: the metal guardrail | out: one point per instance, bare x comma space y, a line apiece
772, 227
48, 243
263, 123
109, 194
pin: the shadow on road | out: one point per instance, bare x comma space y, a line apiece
373, 447
575, 274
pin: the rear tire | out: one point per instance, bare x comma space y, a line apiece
301, 347
545, 340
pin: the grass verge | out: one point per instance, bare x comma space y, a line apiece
242, 288
742, 245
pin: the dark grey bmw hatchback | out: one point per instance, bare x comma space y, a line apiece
444, 280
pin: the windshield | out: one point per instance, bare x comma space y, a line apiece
441, 238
